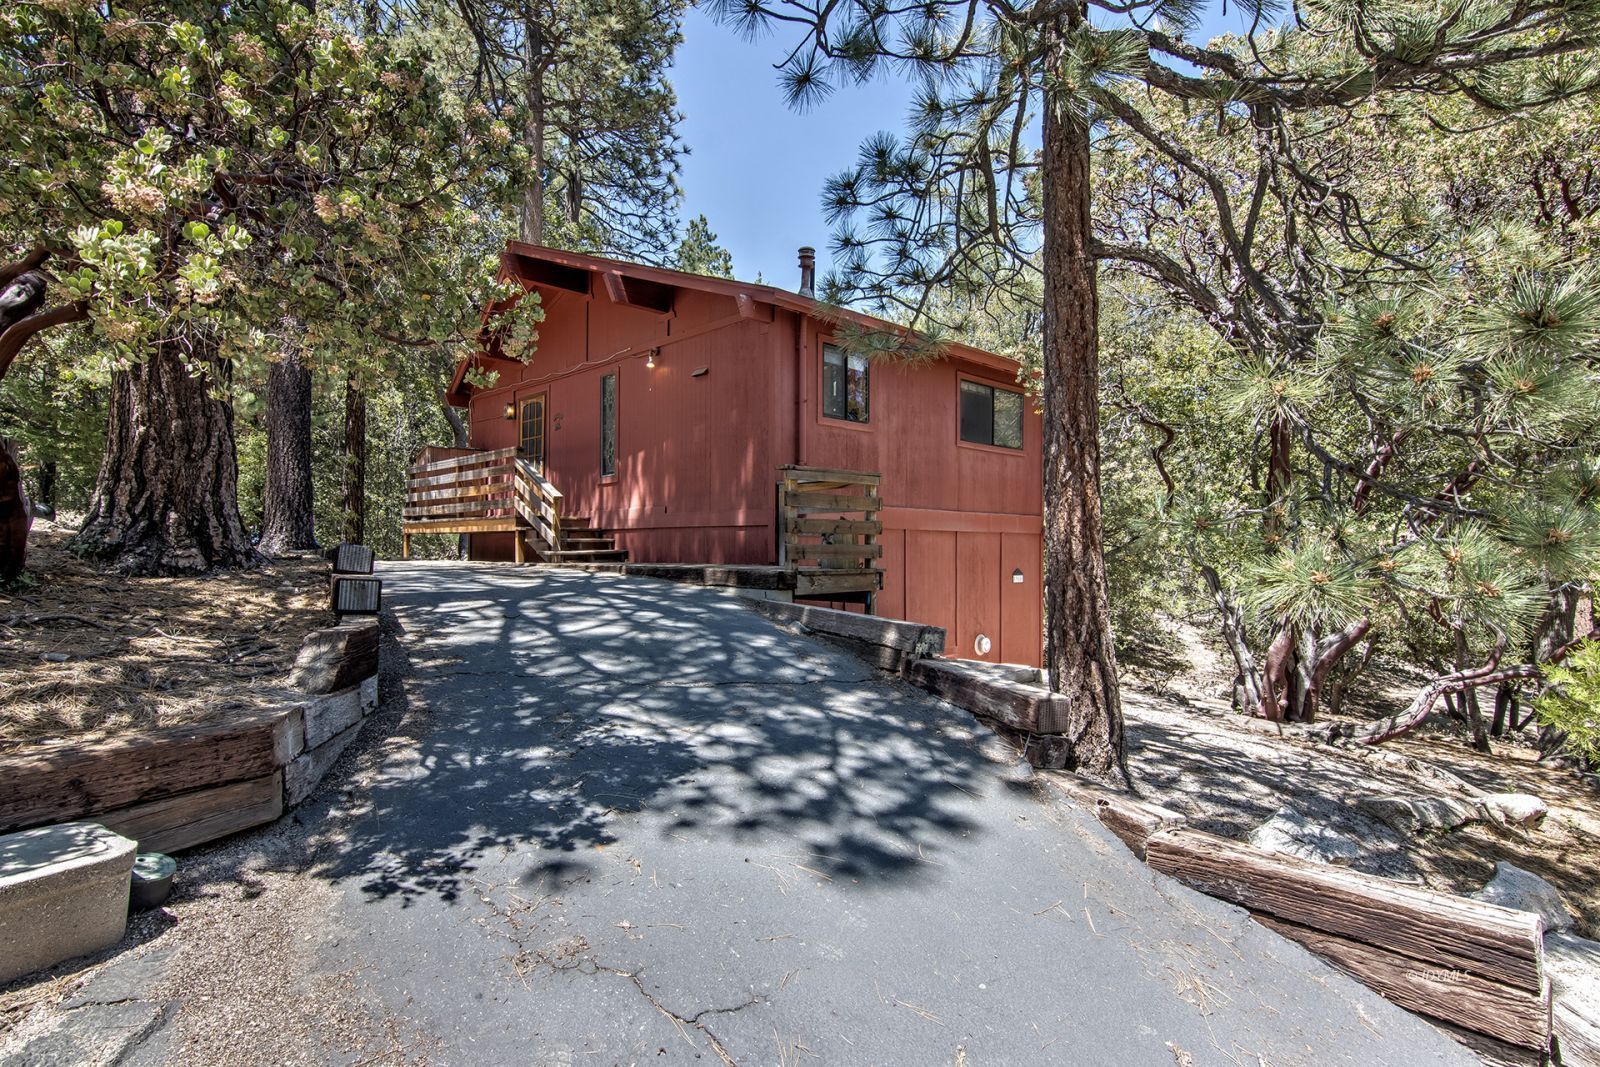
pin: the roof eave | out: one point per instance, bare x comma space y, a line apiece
783, 298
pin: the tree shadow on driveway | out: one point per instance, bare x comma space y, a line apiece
565, 710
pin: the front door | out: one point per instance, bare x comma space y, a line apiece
531, 430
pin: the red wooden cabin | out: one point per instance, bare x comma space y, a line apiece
664, 415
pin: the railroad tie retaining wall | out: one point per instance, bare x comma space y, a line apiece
1476, 967
890, 644
175, 788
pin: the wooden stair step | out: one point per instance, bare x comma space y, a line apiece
589, 555
588, 542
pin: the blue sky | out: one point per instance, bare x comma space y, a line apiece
756, 168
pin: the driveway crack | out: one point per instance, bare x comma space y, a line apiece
685, 1021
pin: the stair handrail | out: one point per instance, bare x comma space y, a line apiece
471, 460
538, 501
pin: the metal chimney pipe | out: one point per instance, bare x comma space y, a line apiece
808, 271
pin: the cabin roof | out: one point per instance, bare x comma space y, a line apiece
650, 287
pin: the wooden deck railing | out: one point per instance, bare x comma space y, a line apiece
485, 492
828, 529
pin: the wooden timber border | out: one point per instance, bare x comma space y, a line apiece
889, 644
175, 788
1475, 968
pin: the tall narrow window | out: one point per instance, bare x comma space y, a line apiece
530, 436
608, 425
846, 384
991, 416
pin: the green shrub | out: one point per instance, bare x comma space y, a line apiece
1571, 702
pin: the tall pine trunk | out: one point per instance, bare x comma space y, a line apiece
15, 516
460, 438
165, 500
1079, 650
287, 518
48, 473
355, 462
532, 221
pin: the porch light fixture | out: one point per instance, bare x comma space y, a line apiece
650, 360
511, 410
1016, 576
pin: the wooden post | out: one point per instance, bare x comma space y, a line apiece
516, 539
783, 523
405, 546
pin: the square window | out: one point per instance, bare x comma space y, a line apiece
846, 384
991, 416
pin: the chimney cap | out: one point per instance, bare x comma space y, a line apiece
808, 271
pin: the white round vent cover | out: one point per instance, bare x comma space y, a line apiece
982, 645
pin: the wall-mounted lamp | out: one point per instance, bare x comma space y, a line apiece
650, 360
511, 410
1016, 576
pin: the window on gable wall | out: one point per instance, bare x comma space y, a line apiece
991, 416
846, 384
608, 425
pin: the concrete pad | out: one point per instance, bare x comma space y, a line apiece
98, 1035
123, 979
63, 893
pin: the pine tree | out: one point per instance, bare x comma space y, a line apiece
598, 115
192, 173
968, 202
1400, 210
699, 253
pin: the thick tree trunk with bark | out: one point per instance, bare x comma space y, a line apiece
460, 438
23, 315
532, 221
15, 517
48, 474
1247, 676
287, 517
1280, 477
165, 500
1079, 651
355, 462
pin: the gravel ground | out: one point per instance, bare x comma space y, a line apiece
234, 959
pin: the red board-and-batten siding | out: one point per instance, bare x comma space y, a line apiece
697, 456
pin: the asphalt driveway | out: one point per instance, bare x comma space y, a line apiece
606, 820
646, 824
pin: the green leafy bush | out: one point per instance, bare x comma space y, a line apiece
1572, 700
